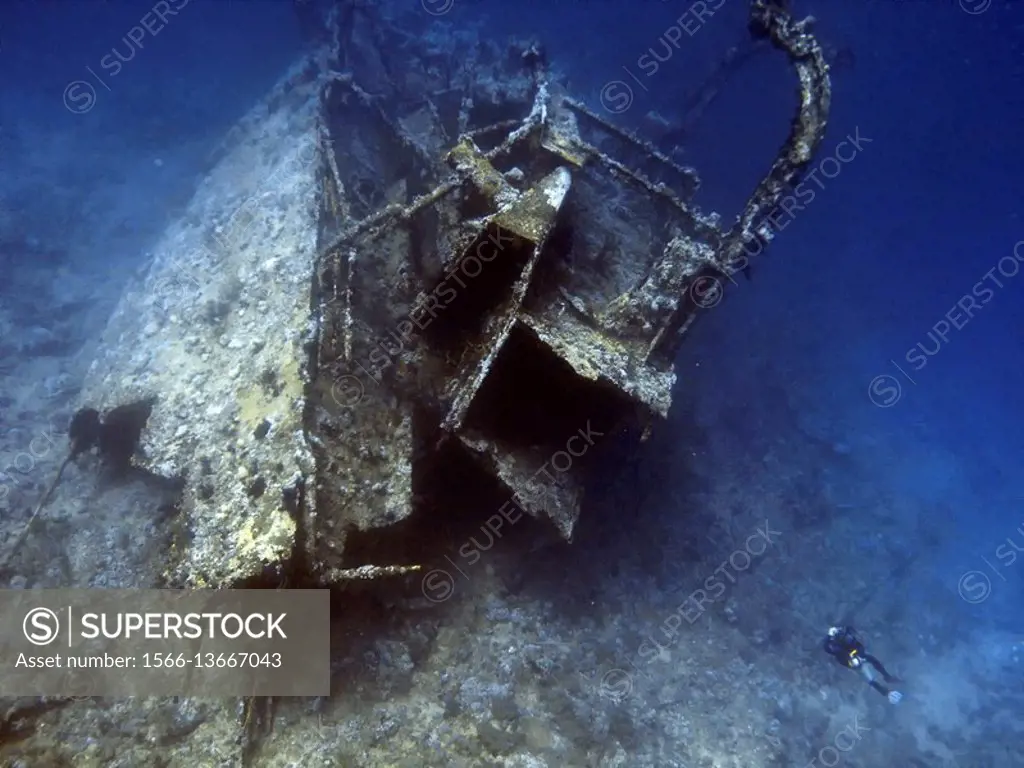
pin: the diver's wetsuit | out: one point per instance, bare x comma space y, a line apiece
849, 651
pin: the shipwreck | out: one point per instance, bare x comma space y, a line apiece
392, 270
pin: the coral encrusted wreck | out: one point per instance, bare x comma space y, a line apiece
458, 263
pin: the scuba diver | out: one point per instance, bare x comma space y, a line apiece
845, 647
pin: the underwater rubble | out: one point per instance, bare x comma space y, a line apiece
388, 282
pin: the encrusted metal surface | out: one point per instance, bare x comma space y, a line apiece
216, 332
